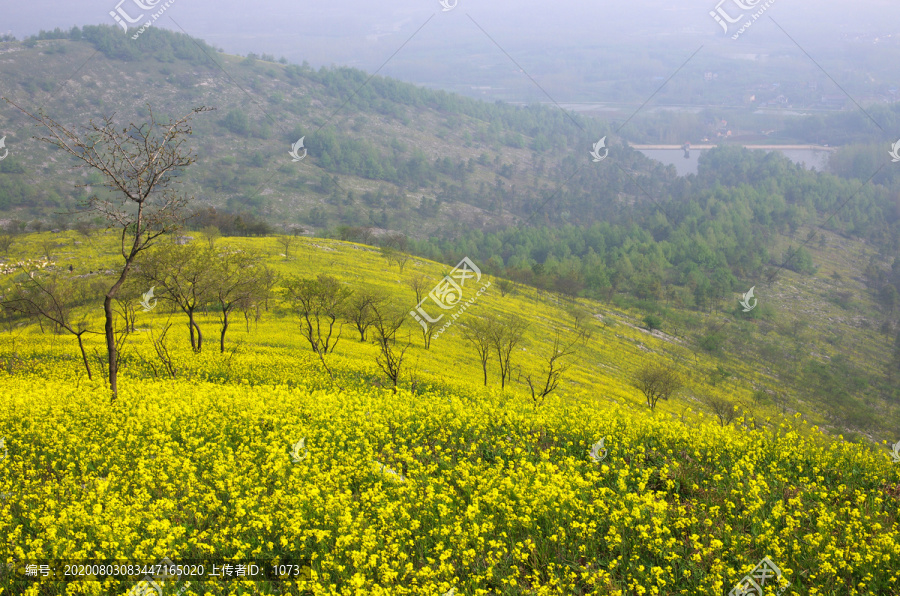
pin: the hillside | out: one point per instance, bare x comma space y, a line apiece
375, 149
452, 177
445, 485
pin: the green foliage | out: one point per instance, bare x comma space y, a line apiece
799, 261
652, 321
237, 122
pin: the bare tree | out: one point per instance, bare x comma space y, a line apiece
418, 283
394, 250
212, 234
656, 382
544, 384
401, 258
184, 276
287, 242
388, 322
398, 242
140, 163
162, 351
319, 303
388, 252
726, 411
49, 299
238, 278
506, 334
506, 286
479, 332
428, 334
366, 235
270, 279
359, 310
128, 312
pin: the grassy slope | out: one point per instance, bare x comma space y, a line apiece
284, 193
499, 498
802, 324
620, 344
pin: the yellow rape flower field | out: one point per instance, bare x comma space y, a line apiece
446, 487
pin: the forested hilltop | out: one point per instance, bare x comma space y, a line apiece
425, 172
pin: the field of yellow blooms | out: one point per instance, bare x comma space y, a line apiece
418, 494
446, 488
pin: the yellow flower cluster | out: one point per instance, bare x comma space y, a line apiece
420, 494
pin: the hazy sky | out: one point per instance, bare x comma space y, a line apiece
306, 26
367, 34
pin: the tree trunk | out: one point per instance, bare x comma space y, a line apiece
191, 329
111, 347
112, 352
196, 340
84, 357
224, 329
